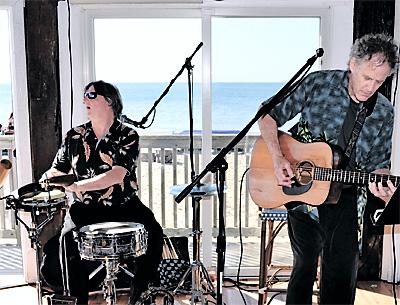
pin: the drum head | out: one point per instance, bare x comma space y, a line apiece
54, 200
49, 196
111, 228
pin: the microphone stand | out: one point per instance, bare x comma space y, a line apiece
219, 166
140, 124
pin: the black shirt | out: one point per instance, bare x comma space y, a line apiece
88, 157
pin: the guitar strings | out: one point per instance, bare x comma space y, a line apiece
330, 173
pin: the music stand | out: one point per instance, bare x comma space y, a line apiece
390, 215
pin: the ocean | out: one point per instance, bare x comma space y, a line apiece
234, 104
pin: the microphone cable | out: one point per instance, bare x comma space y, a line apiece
394, 265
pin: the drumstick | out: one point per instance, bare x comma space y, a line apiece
5, 166
61, 180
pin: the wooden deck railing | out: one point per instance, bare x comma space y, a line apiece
164, 162
8, 227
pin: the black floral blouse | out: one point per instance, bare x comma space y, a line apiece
88, 156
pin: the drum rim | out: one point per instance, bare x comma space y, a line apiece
86, 227
41, 204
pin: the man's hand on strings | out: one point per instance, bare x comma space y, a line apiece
283, 171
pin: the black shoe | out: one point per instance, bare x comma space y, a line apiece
142, 301
149, 296
136, 295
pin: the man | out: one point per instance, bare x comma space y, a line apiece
328, 102
102, 154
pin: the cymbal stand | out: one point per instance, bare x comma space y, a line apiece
201, 282
33, 235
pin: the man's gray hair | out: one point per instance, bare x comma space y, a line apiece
371, 44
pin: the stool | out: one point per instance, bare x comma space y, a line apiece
265, 283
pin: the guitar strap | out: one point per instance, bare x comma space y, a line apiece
366, 110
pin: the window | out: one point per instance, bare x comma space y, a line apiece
5, 75
252, 60
142, 56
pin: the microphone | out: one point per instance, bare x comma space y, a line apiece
320, 52
60, 180
125, 119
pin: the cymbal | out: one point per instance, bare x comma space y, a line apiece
30, 190
203, 190
33, 189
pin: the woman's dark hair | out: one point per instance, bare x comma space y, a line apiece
110, 93
371, 44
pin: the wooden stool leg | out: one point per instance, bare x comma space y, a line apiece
265, 259
270, 243
262, 281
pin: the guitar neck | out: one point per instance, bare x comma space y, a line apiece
352, 177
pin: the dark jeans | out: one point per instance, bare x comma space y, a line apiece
334, 237
145, 266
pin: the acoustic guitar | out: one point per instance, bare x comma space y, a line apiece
318, 178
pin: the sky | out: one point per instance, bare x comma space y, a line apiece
243, 49
4, 48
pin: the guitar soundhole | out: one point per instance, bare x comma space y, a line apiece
304, 172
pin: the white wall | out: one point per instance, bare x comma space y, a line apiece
387, 254
21, 119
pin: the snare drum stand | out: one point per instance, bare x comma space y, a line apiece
201, 282
109, 290
112, 267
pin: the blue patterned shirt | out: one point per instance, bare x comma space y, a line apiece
322, 99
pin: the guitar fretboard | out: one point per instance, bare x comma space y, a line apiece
352, 177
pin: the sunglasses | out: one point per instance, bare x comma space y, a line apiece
90, 95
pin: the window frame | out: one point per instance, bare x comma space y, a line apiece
19, 90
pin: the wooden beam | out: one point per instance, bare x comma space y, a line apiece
41, 36
374, 16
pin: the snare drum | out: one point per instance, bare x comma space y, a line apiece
112, 240
44, 202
